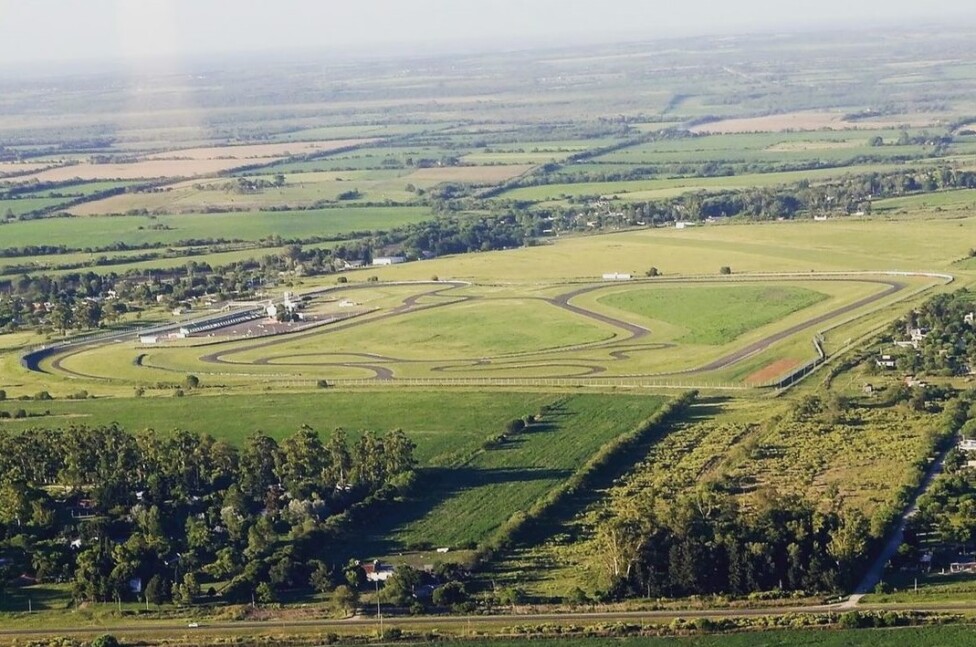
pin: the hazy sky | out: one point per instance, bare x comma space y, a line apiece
44, 30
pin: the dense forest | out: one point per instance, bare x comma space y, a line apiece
705, 543
179, 516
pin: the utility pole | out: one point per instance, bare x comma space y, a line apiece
379, 611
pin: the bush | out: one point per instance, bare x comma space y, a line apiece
851, 620
342, 279
42, 395
322, 384
450, 594
191, 381
515, 426
725, 269
106, 640
3, 395
178, 393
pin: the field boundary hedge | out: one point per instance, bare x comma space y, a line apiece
584, 477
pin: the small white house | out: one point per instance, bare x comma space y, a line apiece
968, 445
378, 572
389, 260
886, 361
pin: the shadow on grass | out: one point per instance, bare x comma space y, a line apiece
39, 597
435, 486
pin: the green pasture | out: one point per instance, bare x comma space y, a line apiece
538, 152
646, 189
473, 329
466, 499
440, 422
21, 206
836, 245
963, 200
826, 146
86, 232
352, 131
932, 588
299, 190
714, 315
366, 158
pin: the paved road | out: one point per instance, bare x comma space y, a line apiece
506, 620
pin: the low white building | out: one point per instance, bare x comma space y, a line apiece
378, 572
389, 260
616, 276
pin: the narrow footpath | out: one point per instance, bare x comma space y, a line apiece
875, 573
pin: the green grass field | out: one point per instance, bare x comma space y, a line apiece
648, 189
474, 492
252, 226
714, 315
474, 329
440, 423
637, 331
